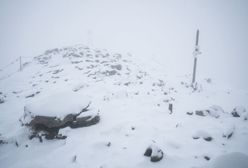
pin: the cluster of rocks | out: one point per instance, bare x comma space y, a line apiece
216, 111
202, 134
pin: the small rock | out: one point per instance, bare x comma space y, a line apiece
208, 139
235, 114
189, 113
195, 137
157, 155
215, 111
171, 108
118, 67
238, 111
108, 144
154, 152
2, 141
1, 100
32, 95
16, 144
200, 113
74, 159
228, 132
202, 134
148, 152
207, 158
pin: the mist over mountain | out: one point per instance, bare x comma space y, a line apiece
162, 31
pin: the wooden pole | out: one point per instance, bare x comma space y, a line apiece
196, 52
20, 63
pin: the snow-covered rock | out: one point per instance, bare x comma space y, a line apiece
202, 134
239, 111
215, 111
154, 152
51, 113
229, 131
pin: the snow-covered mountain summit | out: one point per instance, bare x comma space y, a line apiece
138, 109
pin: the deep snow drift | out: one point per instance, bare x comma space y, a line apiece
206, 126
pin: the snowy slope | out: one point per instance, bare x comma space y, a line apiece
132, 97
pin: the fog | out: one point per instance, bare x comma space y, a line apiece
159, 30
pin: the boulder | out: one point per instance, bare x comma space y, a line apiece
47, 116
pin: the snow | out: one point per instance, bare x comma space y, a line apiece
59, 104
133, 106
230, 160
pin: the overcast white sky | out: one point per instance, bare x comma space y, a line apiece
160, 30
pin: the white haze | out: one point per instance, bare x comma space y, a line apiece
159, 30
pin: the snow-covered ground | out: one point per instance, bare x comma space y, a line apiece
132, 97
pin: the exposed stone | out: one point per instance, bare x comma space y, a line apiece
196, 137
1, 100
228, 136
2, 140
118, 67
171, 108
208, 138
213, 111
235, 114
207, 158
189, 113
154, 153
238, 111
200, 113
110, 73
155, 157
148, 152
228, 132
